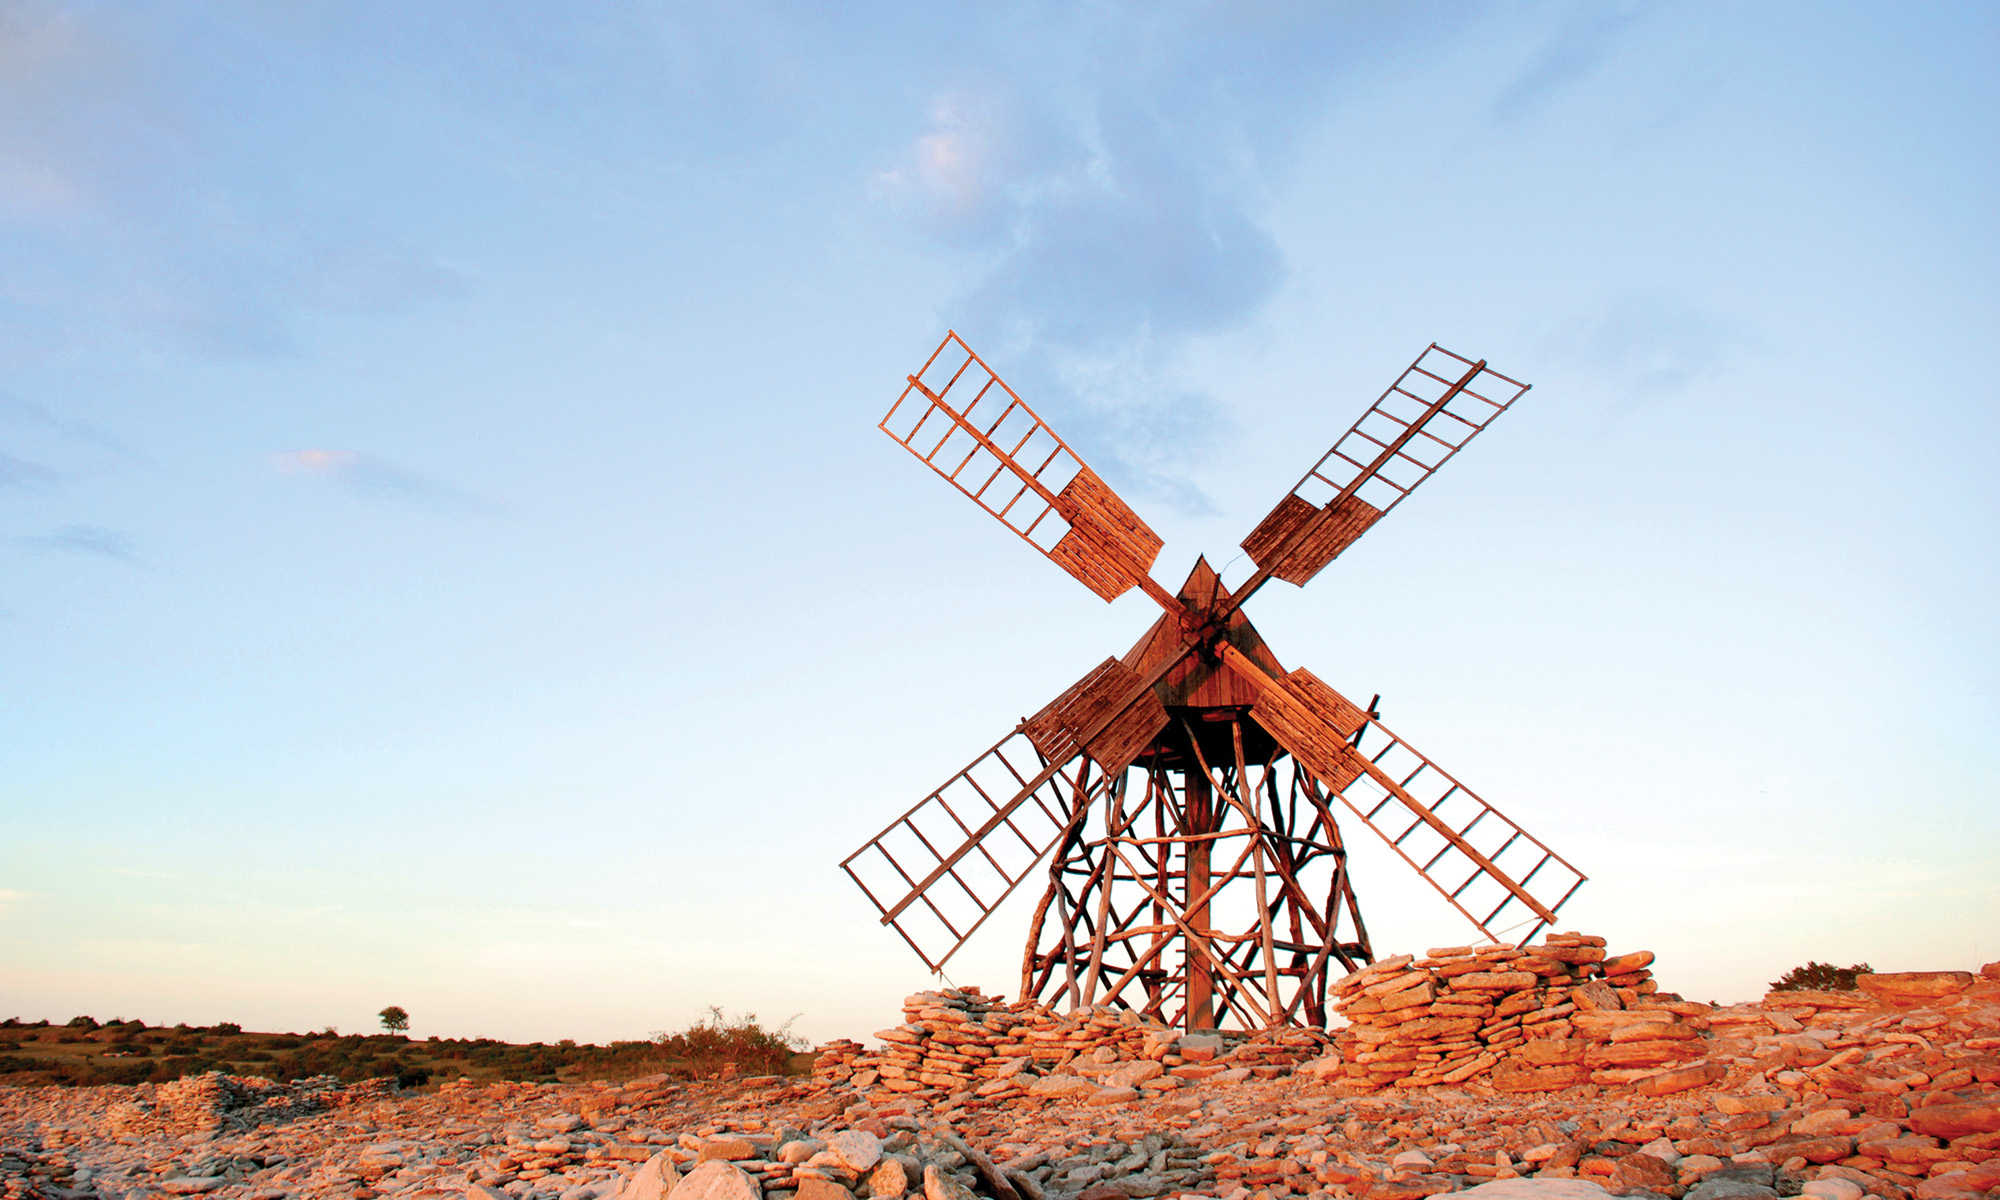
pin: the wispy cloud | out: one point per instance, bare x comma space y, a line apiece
8, 899
120, 219
1652, 345
20, 473
1106, 184
372, 478
36, 418
1110, 198
1587, 36
94, 540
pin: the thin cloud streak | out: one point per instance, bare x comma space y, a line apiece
20, 473
374, 479
1578, 48
92, 540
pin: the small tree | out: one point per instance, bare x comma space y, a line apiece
394, 1019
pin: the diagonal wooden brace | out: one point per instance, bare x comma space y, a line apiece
1275, 695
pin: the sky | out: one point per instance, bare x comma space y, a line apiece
447, 557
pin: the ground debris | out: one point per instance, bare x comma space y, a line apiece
1892, 1091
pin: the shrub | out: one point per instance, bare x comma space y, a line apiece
82, 1023
227, 1029
1820, 977
708, 1044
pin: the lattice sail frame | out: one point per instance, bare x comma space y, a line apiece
966, 424
952, 908
1494, 835
1353, 497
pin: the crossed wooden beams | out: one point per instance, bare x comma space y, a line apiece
1127, 900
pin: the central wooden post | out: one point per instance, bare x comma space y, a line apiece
1198, 803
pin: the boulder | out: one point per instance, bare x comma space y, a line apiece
1755, 1103
940, 1184
655, 1178
1730, 1189
1820, 1122
813, 1188
1542, 1052
857, 1149
1596, 996
1681, 1079
1499, 981
1814, 1150
1957, 1120
1662, 1148
1537, 1189
718, 1179
799, 1150
890, 1179
1960, 1185
1913, 987
1642, 1172
1135, 1073
726, 1149
1625, 964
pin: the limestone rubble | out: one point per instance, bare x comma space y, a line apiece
1582, 1072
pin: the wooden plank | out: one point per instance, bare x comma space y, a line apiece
1108, 548
1327, 532
1059, 729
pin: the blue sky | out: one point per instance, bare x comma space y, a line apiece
447, 558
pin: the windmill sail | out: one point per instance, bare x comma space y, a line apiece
939, 870
1496, 874
969, 426
1432, 410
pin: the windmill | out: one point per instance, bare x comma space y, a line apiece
1188, 789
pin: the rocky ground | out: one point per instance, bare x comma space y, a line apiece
1892, 1091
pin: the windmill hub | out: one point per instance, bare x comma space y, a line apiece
1184, 794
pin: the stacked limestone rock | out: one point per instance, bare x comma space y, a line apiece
836, 1061
958, 1041
1533, 1019
213, 1100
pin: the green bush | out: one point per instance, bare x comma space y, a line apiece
1820, 977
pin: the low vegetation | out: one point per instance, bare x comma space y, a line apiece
1820, 977
84, 1052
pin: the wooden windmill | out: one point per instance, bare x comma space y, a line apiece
1189, 789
